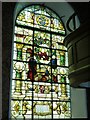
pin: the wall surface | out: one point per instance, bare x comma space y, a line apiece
78, 101
7, 37
78, 96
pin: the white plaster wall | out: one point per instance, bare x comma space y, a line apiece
78, 102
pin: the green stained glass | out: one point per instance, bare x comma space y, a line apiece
19, 54
63, 79
40, 85
18, 74
62, 58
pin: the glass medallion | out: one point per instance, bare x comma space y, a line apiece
42, 21
42, 91
42, 55
41, 39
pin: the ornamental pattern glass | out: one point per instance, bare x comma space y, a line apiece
40, 17
40, 85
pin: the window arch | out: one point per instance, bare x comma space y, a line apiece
40, 85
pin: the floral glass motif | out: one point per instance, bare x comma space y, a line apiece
40, 85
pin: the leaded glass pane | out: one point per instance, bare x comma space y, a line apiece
42, 22
40, 85
40, 17
42, 91
61, 110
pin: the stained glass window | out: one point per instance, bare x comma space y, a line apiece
40, 85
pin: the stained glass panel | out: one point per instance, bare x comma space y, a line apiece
61, 110
42, 91
40, 84
40, 17
42, 39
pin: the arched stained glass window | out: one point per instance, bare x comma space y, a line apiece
40, 85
